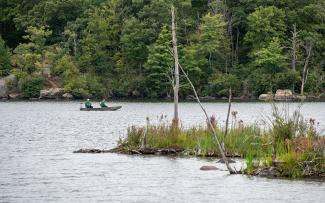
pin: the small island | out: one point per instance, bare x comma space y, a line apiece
290, 148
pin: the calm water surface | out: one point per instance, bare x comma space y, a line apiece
37, 163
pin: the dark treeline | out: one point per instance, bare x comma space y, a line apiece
122, 48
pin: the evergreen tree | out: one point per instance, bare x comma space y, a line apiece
214, 42
159, 66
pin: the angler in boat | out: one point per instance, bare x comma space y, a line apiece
88, 104
103, 104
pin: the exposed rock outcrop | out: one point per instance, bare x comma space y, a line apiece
283, 95
14, 95
52, 93
67, 96
280, 95
5, 85
265, 97
3, 89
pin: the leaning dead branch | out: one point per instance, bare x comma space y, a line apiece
231, 170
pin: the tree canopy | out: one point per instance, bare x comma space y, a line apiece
122, 48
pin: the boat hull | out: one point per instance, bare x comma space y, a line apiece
110, 108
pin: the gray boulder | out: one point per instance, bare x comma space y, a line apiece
52, 93
265, 97
3, 89
67, 96
5, 85
283, 95
14, 96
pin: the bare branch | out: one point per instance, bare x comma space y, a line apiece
231, 170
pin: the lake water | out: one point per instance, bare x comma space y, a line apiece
37, 163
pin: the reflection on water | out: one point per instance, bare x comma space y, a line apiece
36, 163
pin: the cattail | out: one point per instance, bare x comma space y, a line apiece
213, 122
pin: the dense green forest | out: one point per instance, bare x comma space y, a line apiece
122, 48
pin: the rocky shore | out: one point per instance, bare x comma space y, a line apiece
52, 91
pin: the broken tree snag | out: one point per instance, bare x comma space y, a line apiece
144, 137
308, 48
176, 84
214, 134
227, 120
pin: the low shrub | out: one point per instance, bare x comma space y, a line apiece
31, 86
84, 86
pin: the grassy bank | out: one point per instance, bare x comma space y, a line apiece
297, 149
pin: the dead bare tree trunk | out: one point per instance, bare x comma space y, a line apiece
176, 84
231, 170
295, 44
308, 48
227, 120
294, 49
237, 46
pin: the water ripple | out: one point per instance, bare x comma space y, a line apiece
37, 163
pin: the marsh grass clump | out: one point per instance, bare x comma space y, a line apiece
291, 146
296, 149
197, 140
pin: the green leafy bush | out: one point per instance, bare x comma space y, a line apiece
65, 68
84, 86
31, 86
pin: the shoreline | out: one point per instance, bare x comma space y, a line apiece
134, 100
263, 172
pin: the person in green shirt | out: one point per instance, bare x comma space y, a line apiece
88, 104
103, 103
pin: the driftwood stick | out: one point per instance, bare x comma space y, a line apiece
231, 171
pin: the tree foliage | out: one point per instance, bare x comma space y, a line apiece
159, 66
121, 48
5, 65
